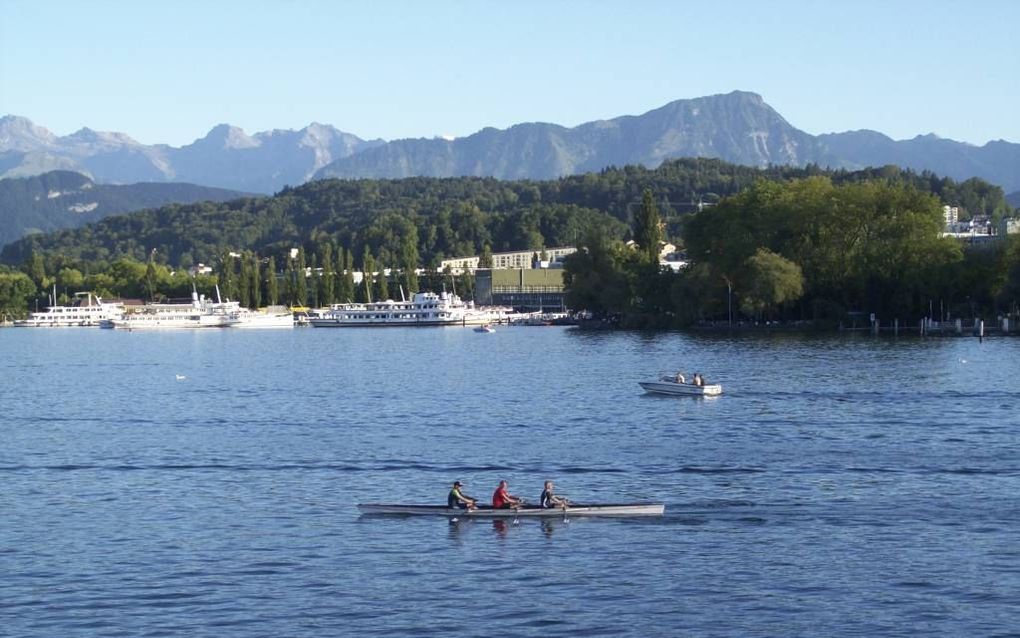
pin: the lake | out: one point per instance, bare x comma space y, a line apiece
204, 484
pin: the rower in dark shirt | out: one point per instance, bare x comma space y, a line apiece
457, 499
550, 500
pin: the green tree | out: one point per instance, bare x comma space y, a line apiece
301, 280
151, 276
485, 261
35, 268
772, 280
227, 277
648, 227
244, 283
409, 259
71, 279
272, 286
254, 281
368, 276
345, 288
327, 282
382, 286
15, 290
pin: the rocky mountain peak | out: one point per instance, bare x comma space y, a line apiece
20, 134
226, 136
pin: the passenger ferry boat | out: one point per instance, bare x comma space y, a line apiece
88, 310
424, 309
200, 313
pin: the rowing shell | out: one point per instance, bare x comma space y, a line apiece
608, 509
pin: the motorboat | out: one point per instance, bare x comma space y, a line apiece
619, 510
672, 386
485, 328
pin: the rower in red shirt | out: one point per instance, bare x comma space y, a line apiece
502, 499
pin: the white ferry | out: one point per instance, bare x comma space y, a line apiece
424, 309
87, 310
200, 313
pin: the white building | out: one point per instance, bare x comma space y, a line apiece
951, 214
523, 259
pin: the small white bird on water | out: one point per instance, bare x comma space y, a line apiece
180, 377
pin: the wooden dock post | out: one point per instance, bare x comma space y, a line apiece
896, 327
981, 331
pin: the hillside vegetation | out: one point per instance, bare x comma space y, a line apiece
444, 218
64, 199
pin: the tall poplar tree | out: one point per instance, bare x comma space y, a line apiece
227, 278
255, 290
243, 287
368, 276
301, 282
409, 260
648, 228
327, 286
382, 286
345, 276
272, 286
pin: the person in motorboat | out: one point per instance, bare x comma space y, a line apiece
458, 499
698, 381
502, 499
680, 378
550, 500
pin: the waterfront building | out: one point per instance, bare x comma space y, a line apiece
518, 259
951, 215
523, 289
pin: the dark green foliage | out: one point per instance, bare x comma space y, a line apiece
647, 227
16, 289
345, 287
64, 199
421, 221
272, 283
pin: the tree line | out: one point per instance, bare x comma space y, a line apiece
398, 226
806, 249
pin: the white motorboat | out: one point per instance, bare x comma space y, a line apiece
527, 511
87, 310
485, 328
669, 385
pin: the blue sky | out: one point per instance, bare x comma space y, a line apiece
169, 71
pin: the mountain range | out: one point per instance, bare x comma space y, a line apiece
225, 158
66, 199
738, 127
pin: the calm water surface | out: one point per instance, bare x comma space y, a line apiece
841, 486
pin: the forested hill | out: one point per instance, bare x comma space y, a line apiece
64, 199
433, 218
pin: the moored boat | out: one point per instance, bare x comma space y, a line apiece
271, 317
423, 309
669, 385
87, 310
528, 511
200, 313
485, 328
